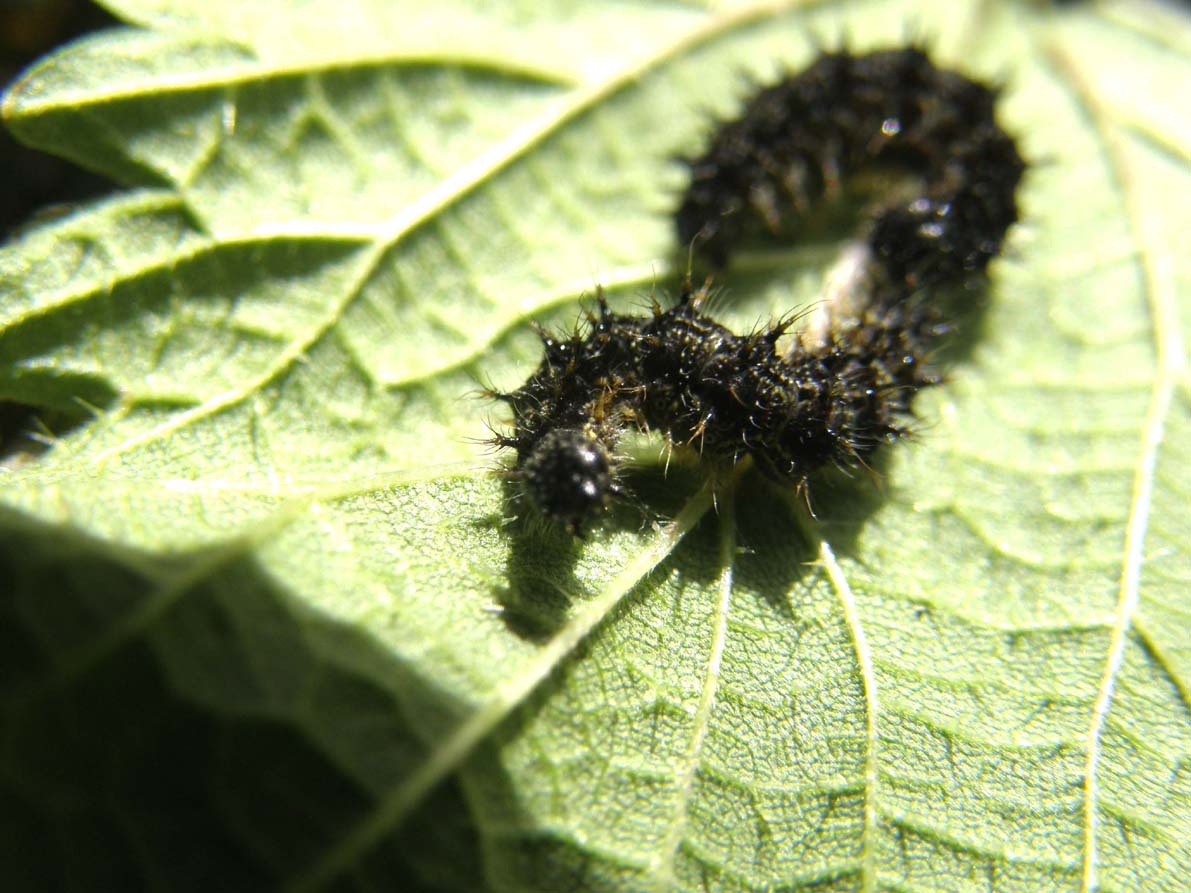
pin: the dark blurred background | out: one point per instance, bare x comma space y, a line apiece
33, 180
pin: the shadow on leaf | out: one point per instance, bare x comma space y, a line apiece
181, 721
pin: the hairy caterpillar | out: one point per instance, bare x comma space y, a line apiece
845, 387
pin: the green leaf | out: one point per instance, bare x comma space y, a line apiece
267, 624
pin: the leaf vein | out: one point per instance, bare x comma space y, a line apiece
864, 659
662, 866
395, 804
1158, 271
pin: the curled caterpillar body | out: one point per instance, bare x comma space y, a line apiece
841, 390
802, 137
726, 395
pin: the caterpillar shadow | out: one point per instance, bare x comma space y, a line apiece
548, 570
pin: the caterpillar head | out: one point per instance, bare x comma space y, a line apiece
569, 476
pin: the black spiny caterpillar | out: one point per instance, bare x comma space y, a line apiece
809, 133
845, 386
